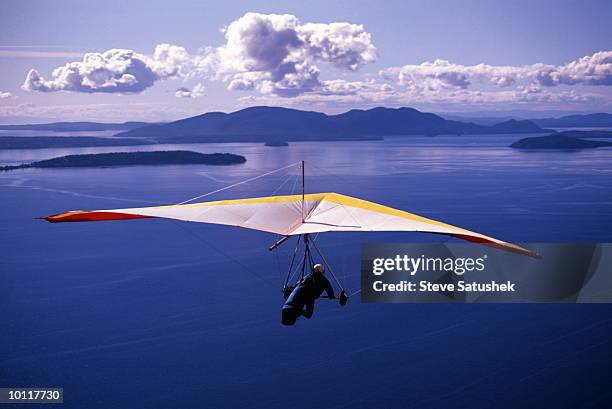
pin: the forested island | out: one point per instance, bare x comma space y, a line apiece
134, 158
558, 141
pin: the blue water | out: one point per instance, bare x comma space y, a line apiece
163, 314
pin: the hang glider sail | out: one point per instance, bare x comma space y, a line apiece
294, 215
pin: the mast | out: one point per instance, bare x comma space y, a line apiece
303, 194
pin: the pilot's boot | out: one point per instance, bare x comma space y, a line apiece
289, 314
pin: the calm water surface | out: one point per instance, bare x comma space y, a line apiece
163, 314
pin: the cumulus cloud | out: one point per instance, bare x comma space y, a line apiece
339, 95
336, 94
272, 53
172, 60
113, 71
344, 45
276, 54
595, 69
196, 92
441, 74
343, 87
5, 95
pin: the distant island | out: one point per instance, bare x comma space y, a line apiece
576, 121
271, 124
75, 126
276, 143
557, 141
596, 120
515, 126
42, 142
262, 123
134, 158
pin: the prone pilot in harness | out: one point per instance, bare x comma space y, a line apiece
301, 299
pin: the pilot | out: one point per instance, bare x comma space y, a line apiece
301, 300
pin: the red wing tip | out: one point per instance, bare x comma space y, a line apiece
523, 251
519, 250
487, 241
91, 216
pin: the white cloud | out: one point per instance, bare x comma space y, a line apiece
338, 96
276, 54
590, 70
172, 61
593, 69
113, 71
344, 45
196, 92
444, 74
5, 95
343, 87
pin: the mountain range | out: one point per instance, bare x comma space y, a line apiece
270, 124
275, 123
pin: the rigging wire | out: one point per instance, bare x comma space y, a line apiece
281, 185
290, 273
239, 183
335, 176
353, 293
278, 265
328, 265
307, 255
296, 269
294, 183
226, 255
235, 260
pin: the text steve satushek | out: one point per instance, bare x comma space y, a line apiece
428, 286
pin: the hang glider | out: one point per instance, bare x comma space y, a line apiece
295, 215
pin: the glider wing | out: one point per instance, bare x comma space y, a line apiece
289, 215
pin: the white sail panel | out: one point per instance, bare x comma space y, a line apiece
289, 215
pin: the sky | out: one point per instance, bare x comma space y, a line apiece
117, 61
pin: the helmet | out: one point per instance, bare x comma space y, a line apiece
319, 268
